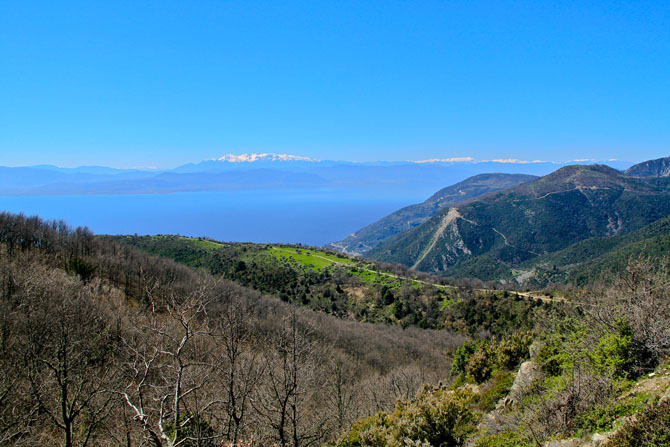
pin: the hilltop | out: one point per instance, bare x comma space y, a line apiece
652, 168
349, 288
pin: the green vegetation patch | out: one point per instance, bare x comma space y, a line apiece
204, 243
650, 429
603, 418
315, 259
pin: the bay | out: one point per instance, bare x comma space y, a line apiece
311, 217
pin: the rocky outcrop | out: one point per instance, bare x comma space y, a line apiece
528, 373
652, 168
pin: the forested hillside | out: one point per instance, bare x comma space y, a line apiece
596, 259
411, 216
494, 236
103, 344
598, 375
651, 168
350, 287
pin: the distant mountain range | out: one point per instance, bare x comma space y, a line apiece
259, 171
516, 232
249, 158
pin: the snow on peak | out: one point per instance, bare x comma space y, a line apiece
232, 158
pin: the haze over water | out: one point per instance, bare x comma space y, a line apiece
313, 217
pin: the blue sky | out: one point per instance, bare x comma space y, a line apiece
164, 83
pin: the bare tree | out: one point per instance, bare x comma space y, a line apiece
240, 366
67, 345
341, 395
640, 296
288, 400
170, 369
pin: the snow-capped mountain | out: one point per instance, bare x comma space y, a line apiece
250, 161
232, 158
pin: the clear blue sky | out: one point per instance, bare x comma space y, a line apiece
164, 83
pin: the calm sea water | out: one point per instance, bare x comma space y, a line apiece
313, 217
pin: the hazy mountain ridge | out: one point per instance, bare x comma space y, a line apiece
252, 171
488, 236
248, 158
411, 216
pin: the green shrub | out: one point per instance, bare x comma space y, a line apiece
461, 358
478, 360
366, 432
614, 354
651, 428
496, 389
549, 360
513, 349
437, 417
480, 366
602, 417
505, 439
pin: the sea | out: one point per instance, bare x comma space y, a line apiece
310, 217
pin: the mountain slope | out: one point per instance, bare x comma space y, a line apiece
651, 168
411, 216
594, 258
487, 236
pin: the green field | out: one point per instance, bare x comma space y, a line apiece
315, 259
308, 257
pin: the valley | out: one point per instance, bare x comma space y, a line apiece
335, 224
539, 316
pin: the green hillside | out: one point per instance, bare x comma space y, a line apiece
351, 288
411, 216
490, 237
597, 258
96, 331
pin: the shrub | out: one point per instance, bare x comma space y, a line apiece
602, 417
479, 360
436, 417
496, 389
549, 360
461, 358
614, 354
651, 428
369, 431
480, 366
505, 439
513, 349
